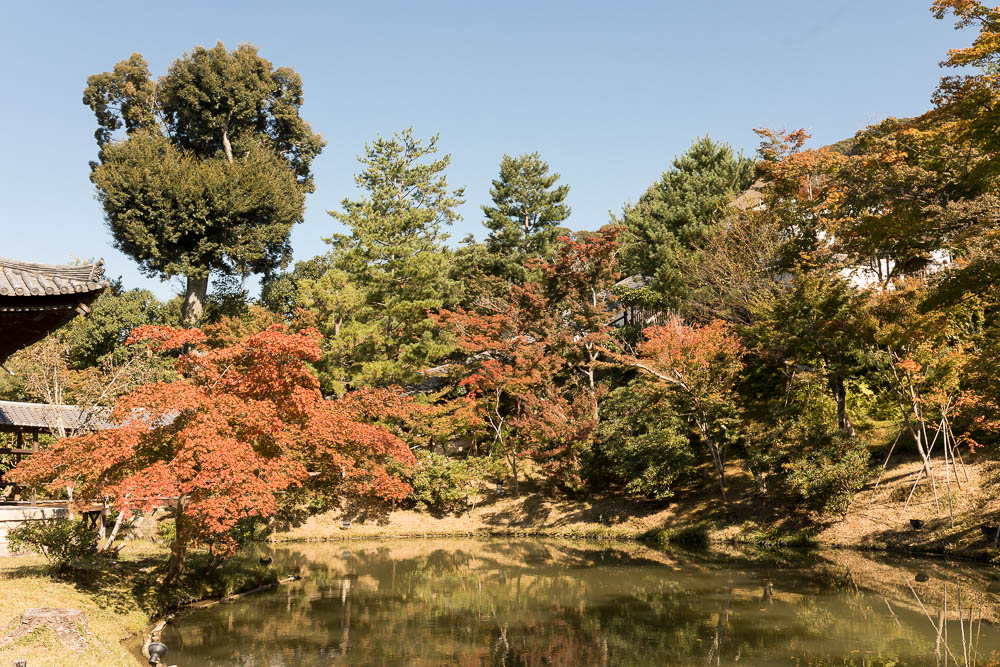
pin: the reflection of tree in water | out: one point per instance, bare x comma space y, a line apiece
532, 603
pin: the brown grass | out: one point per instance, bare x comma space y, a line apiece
875, 519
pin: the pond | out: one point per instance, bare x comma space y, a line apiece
536, 602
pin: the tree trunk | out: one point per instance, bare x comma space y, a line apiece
114, 532
513, 470
195, 293
840, 396
226, 145
178, 549
717, 458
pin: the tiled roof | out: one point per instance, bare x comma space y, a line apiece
30, 279
44, 417
752, 198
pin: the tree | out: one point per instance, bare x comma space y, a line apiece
527, 209
579, 281
699, 365
212, 170
817, 324
282, 292
674, 214
924, 362
339, 308
645, 442
243, 423
965, 118
510, 381
736, 272
103, 332
395, 259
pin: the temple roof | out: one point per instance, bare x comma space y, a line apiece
44, 418
37, 299
29, 279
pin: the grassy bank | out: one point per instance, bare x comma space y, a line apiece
119, 597
876, 519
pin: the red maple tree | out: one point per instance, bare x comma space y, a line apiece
699, 364
579, 281
243, 423
510, 378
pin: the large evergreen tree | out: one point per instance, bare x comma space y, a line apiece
527, 209
213, 167
673, 215
393, 263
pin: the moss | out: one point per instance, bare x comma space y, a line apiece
696, 534
753, 534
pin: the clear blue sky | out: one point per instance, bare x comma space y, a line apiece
608, 92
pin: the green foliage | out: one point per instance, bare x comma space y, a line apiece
770, 536
754, 337
644, 445
228, 298
527, 209
830, 471
817, 324
674, 214
166, 530
691, 535
281, 293
391, 269
178, 213
444, 485
214, 166
62, 542
113, 316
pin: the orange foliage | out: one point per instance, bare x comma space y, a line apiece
244, 423
512, 393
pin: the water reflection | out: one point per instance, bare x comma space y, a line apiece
471, 602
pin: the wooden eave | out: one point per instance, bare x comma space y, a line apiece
36, 299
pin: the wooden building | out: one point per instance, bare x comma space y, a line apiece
36, 299
29, 420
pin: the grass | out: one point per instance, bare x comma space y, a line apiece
26, 581
119, 597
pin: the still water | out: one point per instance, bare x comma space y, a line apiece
533, 602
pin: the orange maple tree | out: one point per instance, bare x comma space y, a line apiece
579, 281
243, 423
699, 364
510, 382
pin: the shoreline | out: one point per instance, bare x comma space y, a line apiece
875, 523
877, 520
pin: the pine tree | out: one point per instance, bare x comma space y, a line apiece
674, 214
524, 219
394, 262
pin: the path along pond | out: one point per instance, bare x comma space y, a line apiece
539, 602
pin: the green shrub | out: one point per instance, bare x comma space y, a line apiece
450, 485
645, 445
167, 530
830, 473
691, 535
753, 534
62, 542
